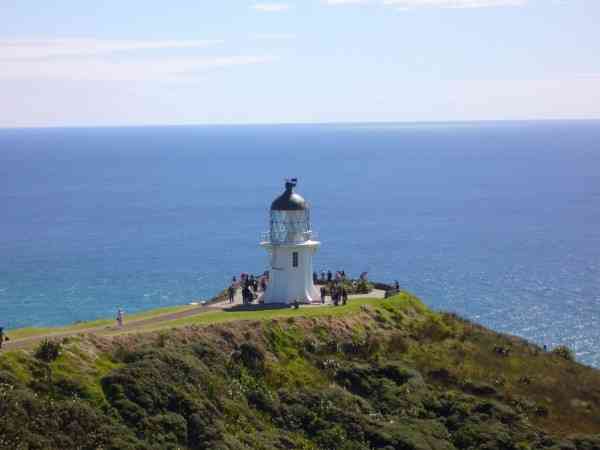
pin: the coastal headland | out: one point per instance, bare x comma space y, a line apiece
375, 373
216, 310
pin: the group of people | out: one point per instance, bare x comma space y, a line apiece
332, 285
340, 275
328, 277
337, 292
250, 286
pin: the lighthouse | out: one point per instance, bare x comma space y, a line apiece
291, 246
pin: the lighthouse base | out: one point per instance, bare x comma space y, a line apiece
290, 277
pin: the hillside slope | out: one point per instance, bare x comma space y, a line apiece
390, 374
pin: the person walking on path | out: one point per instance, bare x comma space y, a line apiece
120, 317
231, 293
3, 337
323, 294
344, 295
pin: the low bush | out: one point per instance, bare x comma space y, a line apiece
344, 383
564, 352
48, 351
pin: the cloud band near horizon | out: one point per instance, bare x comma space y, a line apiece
449, 4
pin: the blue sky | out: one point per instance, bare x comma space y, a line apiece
73, 63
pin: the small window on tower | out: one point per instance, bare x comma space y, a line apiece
295, 259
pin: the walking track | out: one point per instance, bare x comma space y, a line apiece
139, 324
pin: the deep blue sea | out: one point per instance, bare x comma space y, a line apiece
499, 222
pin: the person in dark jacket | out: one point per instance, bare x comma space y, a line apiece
247, 295
329, 276
323, 294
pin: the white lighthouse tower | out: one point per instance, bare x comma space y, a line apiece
291, 247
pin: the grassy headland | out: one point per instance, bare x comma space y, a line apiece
29, 332
386, 374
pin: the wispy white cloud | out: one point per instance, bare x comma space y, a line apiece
273, 36
97, 69
588, 76
271, 7
111, 60
347, 2
410, 4
51, 48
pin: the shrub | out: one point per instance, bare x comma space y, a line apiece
363, 287
252, 358
398, 343
66, 387
434, 329
48, 351
331, 438
564, 352
168, 429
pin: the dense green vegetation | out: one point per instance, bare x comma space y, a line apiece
384, 374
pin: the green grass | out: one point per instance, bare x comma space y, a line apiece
454, 357
18, 364
84, 370
217, 317
22, 333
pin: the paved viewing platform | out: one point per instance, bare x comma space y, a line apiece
238, 301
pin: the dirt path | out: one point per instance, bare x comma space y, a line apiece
28, 342
128, 326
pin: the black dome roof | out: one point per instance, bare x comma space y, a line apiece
289, 200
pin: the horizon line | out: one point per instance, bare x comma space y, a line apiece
300, 123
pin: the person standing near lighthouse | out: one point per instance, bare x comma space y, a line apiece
291, 246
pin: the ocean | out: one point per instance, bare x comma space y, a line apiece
496, 221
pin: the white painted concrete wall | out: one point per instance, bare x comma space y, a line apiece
288, 283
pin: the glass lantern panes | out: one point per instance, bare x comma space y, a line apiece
290, 226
